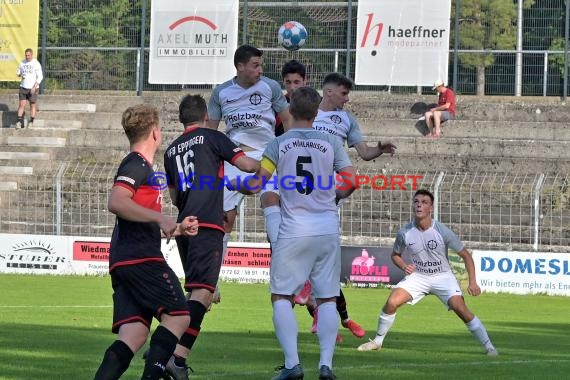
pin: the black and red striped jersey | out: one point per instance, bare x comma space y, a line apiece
136, 242
194, 166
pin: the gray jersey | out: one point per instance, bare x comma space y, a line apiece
300, 154
339, 123
428, 248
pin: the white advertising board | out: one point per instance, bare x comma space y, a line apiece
402, 42
523, 272
192, 42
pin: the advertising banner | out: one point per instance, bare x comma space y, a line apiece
369, 266
402, 42
246, 262
192, 42
523, 272
19, 22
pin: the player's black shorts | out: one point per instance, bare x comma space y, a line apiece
26, 94
201, 257
144, 291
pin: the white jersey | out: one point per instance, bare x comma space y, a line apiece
339, 123
305, 153
428, 248
31, 73
249, 113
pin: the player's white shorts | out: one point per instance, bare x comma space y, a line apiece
313, 258
443, 285
232, 199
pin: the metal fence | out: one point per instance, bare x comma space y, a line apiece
98, 44
487, 210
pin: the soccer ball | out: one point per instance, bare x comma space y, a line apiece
292, 35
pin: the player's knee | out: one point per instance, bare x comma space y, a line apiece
269, 198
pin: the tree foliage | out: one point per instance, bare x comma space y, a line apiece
486, 25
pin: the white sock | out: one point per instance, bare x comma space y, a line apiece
327, 330
286, 330
480, 332
385, 322
272, 222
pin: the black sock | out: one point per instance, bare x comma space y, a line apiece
115, 362
162, 345
197, 311
31, 119
311, 310
341, 306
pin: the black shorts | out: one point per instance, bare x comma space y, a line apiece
26, 94
144, 291
201, 257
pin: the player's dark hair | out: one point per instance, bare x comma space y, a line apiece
338, 79
293, 67
138, 121
244, 53
192, 109
424, 192
28, 50
304, 103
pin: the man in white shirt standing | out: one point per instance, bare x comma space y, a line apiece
30, 71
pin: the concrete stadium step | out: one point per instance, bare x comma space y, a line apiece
68, 107
15, 170
482, 147
24, 156
60, 124
377, 130
34, 131
36, 141
98, 120
378, 105
8, 186
413, 163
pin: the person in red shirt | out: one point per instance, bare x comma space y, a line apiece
444, 111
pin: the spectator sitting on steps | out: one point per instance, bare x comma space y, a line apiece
444, 111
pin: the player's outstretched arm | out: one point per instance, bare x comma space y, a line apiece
368, 153
346, 178
247, 164
473, 288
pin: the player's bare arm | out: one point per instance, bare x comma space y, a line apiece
286, 119
346, 186
247, 164
473, 288
368, 153
213, 124
121, 204
254, 184
400, 263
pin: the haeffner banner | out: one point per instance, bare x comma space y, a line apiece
523, 272
402, 42
192, 42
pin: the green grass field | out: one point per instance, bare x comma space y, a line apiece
59, 327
